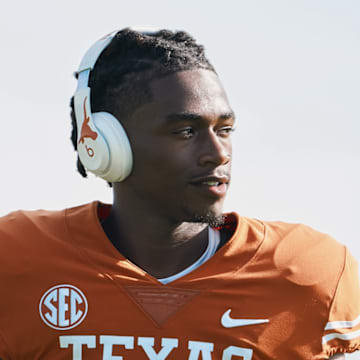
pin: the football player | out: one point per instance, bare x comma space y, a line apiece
162, 273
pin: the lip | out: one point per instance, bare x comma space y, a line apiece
215, 190
224, 179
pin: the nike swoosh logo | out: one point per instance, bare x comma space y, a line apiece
228, 322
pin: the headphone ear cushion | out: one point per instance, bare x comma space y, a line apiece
120, 154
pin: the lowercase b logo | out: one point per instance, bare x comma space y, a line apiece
86, 132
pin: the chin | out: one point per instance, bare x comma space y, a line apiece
210, 219
213, 217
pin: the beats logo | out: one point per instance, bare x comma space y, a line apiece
63, 307
86, 132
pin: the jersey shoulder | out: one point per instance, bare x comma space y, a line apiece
22, 226
304, 255
26, 235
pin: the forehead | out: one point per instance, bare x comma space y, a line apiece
194, 91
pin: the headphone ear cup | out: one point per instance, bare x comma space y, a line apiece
120, 154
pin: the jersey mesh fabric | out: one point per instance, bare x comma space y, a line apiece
269, 293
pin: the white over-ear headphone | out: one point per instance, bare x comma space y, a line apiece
102, 144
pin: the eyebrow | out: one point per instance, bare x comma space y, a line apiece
186, 116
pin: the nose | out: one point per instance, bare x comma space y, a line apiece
215, 150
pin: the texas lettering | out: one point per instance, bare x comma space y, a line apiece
197, 350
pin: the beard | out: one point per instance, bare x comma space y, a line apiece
211, 215
213, 220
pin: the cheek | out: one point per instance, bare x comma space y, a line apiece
160, 160
158, 177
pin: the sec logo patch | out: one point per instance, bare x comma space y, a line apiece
63, 307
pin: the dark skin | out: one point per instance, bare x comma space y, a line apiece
181, 135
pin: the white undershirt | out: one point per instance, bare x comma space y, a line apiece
213, 243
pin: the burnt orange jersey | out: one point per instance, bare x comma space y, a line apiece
273, 291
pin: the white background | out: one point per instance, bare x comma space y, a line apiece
291, 70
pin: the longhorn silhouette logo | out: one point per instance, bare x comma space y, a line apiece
86, 131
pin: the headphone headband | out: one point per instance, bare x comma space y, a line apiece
89, 59
92, 54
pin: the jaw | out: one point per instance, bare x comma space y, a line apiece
209, 214
170, 204
213, 220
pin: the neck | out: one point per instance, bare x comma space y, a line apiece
153, 242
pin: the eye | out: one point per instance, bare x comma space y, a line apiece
185, 133
225, 131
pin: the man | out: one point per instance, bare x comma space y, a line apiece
162, 273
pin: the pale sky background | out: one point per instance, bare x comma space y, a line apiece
291, 69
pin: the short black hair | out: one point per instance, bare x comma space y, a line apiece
120, 79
